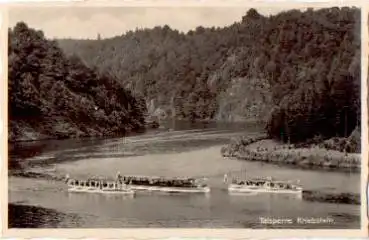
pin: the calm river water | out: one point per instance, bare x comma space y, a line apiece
184, 151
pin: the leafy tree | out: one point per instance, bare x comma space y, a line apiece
47, 91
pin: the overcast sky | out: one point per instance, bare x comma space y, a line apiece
78, 22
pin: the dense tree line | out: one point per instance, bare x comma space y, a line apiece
57, 96
303, 69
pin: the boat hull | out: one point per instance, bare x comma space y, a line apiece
244, 189
170, 189
102, 191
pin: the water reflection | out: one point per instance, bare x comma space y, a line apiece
269, 196
28, 149
98, 197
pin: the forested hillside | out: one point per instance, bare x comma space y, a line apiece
299, 72
52, 96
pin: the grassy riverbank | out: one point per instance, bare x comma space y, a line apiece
271, 151
342, 198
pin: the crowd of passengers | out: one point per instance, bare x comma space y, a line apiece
93, 182
160, 182
261, 183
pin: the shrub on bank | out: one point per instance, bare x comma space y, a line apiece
305, 157
351, 144
238, 144
343, 198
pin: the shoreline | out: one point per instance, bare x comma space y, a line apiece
31, 216
327, 197
31, 135
37, 137
76, 137
263, 149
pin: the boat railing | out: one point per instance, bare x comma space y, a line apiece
267, 184
102, 184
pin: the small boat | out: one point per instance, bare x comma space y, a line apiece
171, 185
97, 185
263, 185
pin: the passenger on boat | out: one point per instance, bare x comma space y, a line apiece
67, 177
225, 179
118, 178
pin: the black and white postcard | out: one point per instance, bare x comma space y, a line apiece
184, 119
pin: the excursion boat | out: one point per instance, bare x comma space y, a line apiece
98, 185
263, 185
161, 184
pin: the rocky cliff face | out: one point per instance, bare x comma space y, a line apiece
245, 100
